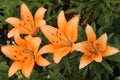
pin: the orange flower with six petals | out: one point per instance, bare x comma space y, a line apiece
26, 25
24, 55
94, 49
62, 39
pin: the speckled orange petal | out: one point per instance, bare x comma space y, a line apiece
101, 43
91, 36
28, 26
60, 53
49, 48
71, 30
84, 47
62, 21
84, 61
42, 61
28, 67
97, 57
14, 52
18, 40
21, 30
26, 15
39, 16
54, 35
16, 65
13, 21
110, 51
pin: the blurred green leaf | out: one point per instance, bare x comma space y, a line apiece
117, 78
115, 58
3, 71
106, 65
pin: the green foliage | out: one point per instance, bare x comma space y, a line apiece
103, 15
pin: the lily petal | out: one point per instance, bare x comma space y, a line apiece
16, 65
101, 43
72, 29
62, 21
26, 15
54, 35
11, 33
18, 40
91, 36
60, 53
97, 57
110, 51
13, 52
13, 21
42, 61
33, 43
84, 61
39, 16
50, 48
21, 30
28, 67
84, 47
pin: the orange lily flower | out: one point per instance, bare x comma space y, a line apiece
26, 25
24, 55
62, 39
94, 49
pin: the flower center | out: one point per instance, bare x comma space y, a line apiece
93, 49
29, 51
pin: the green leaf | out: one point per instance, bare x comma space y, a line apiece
105, 19
96, 71
3, 71
81, 34
110, 35
115, 58
117, 78
106, 65
67, 65
84, 73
